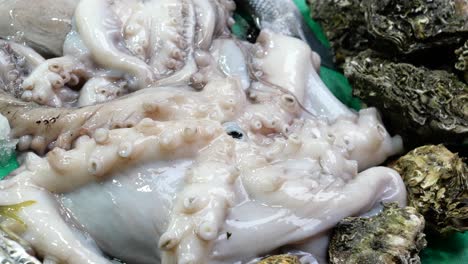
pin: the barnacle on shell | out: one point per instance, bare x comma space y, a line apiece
393, 236
420, 104
437, 185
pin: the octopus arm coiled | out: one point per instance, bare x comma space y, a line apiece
99, 90
100, 30
49, 83
214, 18
47, 232
294, 73
173, 49
365, 138
201, 207
16, 63
277, 225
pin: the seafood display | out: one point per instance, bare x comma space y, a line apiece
156, 136
408, 59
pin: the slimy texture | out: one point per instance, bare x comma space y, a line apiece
157, 137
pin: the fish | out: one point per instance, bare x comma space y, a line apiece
283, 17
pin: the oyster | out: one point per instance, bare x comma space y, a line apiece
462, 62
344, 24
437, 184
403, 28
393, 236
280, 259
420, 104
412, 25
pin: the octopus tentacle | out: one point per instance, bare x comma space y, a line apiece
303, 216
110, 151
294, 73
99, 90
178, 40
47, 232
48, 83
201, 207
16, 63
206, 21
220, 101
224, 17
102, 38
61, 171
154, 49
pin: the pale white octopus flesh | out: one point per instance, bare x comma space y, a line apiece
228, 150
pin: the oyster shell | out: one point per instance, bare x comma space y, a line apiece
344, 24
280, 259
392, 26
437, 184
420, 104
412, 25
393, 236
462, 62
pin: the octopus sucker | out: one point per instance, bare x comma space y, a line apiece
16, 63
204, 208
67, 124
131, 44
53, 171
158, 137
49, 81
206, 22
102, 40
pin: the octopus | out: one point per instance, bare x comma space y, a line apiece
156, 136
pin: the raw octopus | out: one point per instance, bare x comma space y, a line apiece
158, 137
